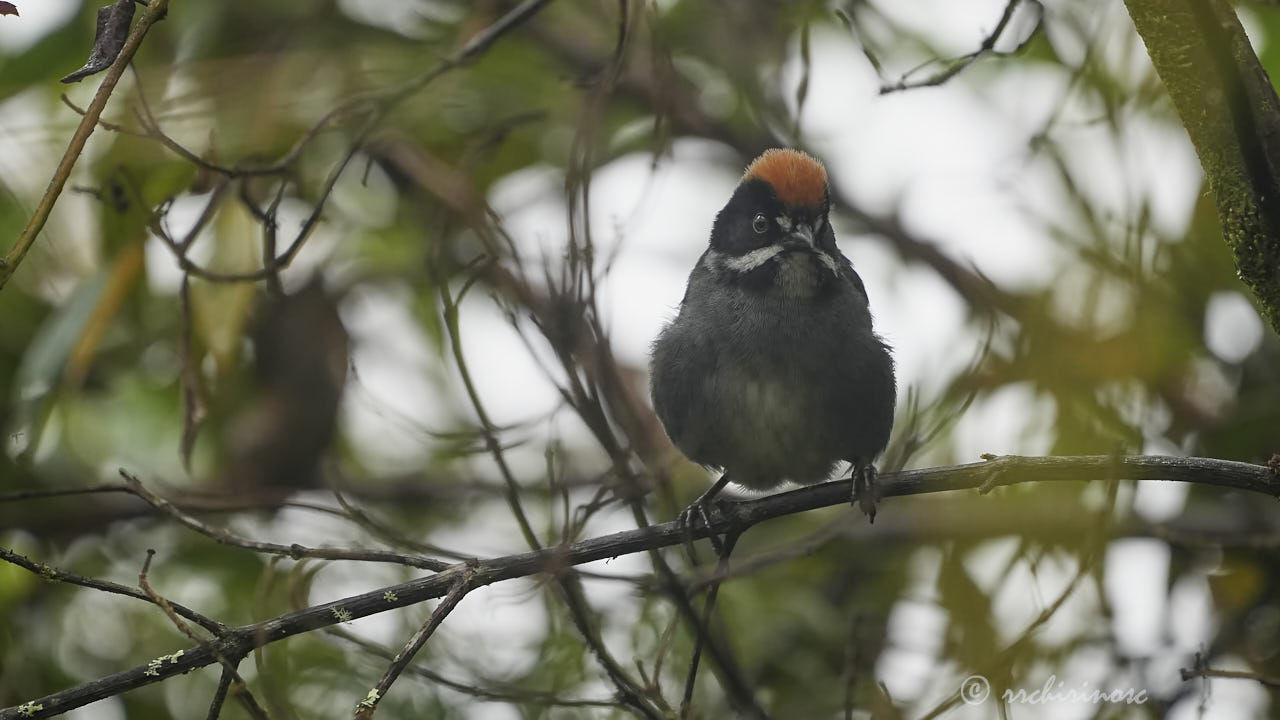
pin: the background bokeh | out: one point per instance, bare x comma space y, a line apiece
1034, 233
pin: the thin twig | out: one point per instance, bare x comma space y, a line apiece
851, 24
193, 410
802, 88
295, 551
101, 123
377, 103
1201, 669
270, 226
489, 690
630, 693
162, 603
852, 661
42, 493
51, 573
738, 691
366, 707
958, 65
9, 263
285, 258
228, 665
382, 531
709, 603
219, 695
450, 305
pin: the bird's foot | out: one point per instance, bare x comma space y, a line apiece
865, 489
702, 510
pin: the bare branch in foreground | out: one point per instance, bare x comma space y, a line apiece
489, 690
54, 574
366, 707
999, 471
229, 671
295, 551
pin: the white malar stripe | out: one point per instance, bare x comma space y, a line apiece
753, 259
830, 262
760, 256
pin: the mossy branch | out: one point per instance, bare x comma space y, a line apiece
1232, 114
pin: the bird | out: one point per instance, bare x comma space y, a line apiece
771, 370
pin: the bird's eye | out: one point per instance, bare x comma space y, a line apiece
760, 223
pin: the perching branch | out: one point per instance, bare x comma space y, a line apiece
999, 471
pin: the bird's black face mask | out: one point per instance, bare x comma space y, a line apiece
766, 245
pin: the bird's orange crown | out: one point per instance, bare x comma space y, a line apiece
798, 178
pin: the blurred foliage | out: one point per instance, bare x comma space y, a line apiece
103, 364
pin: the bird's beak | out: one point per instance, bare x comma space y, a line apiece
802, 234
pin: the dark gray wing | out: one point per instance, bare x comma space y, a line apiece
682, 361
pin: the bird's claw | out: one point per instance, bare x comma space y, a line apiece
701, 510
866, 490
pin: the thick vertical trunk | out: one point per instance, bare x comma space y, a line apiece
1232, 114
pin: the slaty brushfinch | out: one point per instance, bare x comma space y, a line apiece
772, 370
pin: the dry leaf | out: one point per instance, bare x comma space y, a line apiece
113, 28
